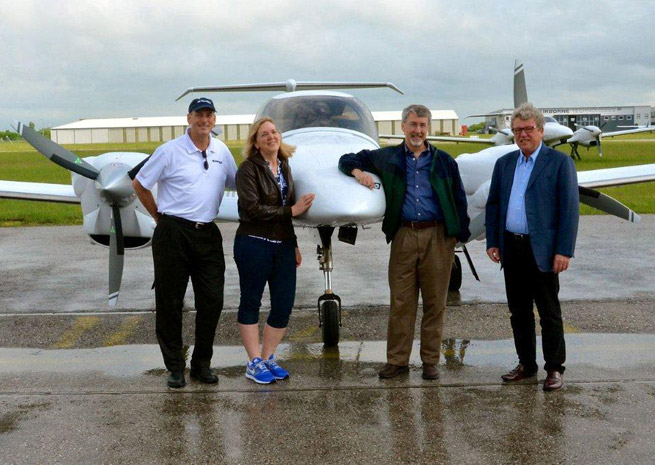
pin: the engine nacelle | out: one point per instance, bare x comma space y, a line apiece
138, 226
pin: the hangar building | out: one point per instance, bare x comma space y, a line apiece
610, 118
231, 127
148, 129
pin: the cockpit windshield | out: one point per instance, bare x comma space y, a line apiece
550, 119
331, 111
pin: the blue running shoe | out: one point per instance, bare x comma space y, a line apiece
277, 370
259, 372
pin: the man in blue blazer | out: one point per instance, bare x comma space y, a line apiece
532, 223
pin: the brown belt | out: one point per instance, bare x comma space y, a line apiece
420, 224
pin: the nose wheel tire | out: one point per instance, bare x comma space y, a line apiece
330, 321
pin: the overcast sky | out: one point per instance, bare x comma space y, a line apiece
65, 60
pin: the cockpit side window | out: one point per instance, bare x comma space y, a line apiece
309, 111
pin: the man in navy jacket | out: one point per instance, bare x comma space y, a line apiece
532, 222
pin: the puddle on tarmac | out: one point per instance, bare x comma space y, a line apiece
611, 351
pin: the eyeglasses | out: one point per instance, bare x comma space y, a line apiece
527, 130
204, 156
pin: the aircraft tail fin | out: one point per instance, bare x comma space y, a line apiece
520, 91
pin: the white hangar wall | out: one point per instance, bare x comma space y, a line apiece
230, 127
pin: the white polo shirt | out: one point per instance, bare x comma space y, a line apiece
184, 187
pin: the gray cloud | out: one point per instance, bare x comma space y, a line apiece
64, 60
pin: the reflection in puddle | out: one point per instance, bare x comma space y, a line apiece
453, 351
359, 357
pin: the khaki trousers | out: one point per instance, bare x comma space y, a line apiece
420, 260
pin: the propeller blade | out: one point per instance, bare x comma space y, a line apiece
56, 153
116, 255
134, 171
607, 204
600, 147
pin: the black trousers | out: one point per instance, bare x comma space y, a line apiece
180, 251
526, 285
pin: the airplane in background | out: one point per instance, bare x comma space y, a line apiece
323, 124
591, 135
554, 133
586, 136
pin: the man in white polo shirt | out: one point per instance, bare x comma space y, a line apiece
191, 173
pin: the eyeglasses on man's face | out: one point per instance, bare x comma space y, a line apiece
527, 130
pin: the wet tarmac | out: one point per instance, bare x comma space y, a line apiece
110, 405
55, 269
79, 384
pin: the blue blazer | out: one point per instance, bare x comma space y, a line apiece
552, 204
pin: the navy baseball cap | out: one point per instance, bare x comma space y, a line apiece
200, 103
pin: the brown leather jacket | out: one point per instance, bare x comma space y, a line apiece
260, 201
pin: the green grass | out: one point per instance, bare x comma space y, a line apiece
632, 149
19, 162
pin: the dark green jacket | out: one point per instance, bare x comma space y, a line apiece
389, 164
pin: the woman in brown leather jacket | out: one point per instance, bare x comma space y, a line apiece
265, 247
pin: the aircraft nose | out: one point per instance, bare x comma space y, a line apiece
576, 137
581, 136
340, 199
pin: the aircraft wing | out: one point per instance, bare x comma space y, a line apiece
588, 180
628, 131
617, 176
61, 193
466, 140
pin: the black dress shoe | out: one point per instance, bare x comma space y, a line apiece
391, 371
204, 375
517, 374
553, 381
176, 379
430, 371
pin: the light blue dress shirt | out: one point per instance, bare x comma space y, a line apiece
517, 221
420, 203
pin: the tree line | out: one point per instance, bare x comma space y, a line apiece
11, 135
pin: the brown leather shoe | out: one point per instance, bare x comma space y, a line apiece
430, 371
391, 371
517, 374
553, 381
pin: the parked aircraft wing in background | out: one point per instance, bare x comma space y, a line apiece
59, 193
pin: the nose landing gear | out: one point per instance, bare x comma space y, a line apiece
329, 304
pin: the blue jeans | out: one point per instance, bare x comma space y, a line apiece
260, 262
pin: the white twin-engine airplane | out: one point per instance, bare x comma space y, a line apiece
323, 125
